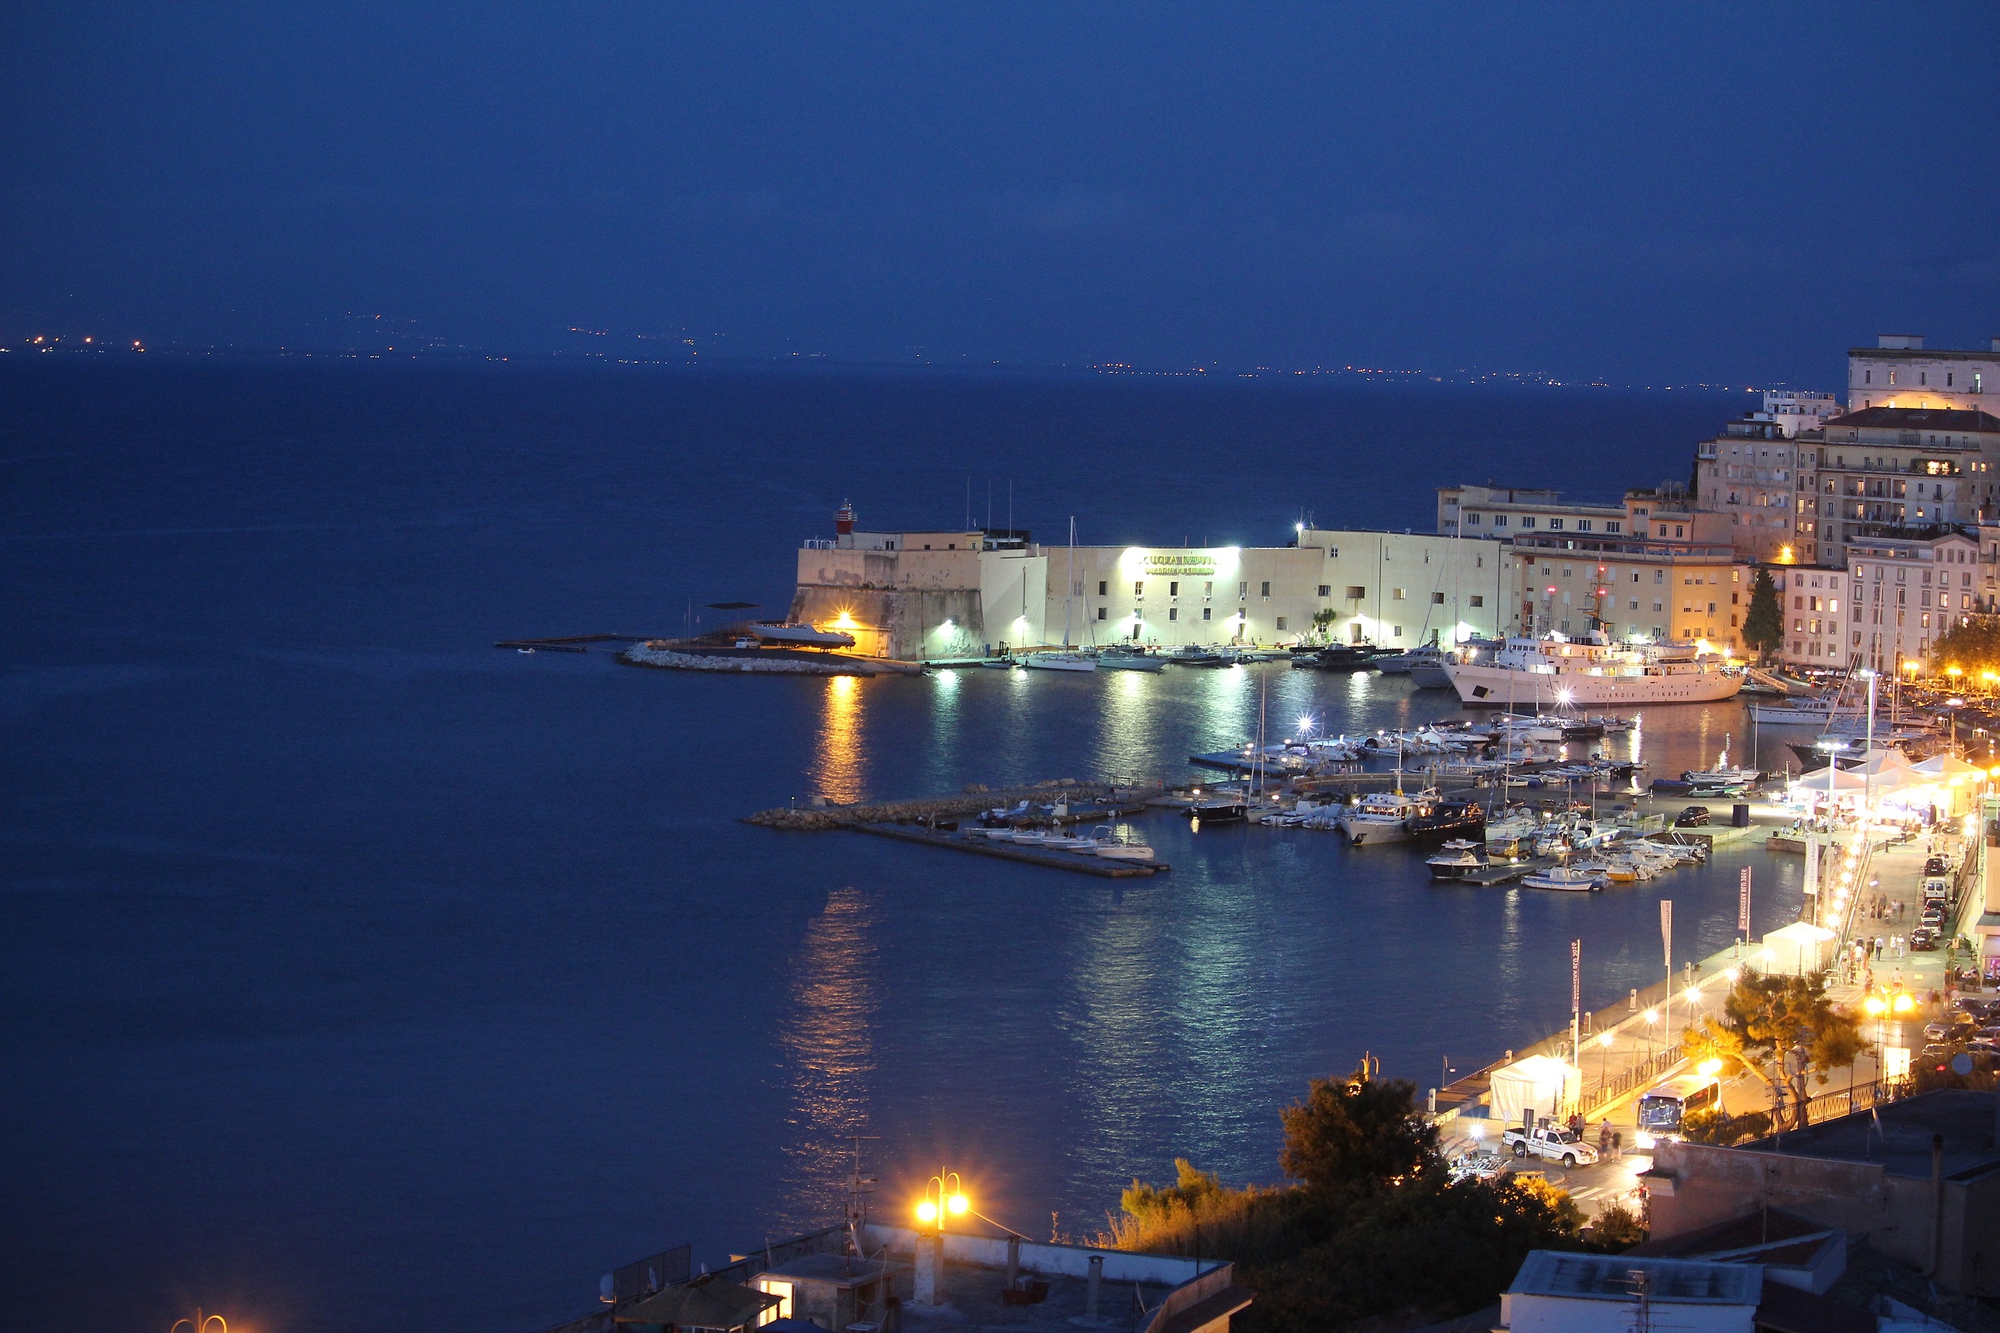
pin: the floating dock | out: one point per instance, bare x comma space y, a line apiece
1056, 860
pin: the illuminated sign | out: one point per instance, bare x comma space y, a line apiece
1196, 564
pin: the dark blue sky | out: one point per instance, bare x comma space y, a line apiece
1729, 193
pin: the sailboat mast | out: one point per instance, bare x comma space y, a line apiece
1069, 593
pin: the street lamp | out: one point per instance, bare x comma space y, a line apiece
201, 1323
1604, 1040
948, 1197
1652, 1017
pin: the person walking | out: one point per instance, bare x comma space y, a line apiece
1604, 1138
1617, 1144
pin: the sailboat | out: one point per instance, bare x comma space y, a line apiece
1067, 659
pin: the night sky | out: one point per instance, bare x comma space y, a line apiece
1722, 193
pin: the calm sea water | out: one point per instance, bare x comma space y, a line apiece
359, 975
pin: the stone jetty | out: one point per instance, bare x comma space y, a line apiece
968, 802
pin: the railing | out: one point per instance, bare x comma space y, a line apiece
1630, 1080
819, 544
1860, 1097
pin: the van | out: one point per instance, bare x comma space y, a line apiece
1936, 888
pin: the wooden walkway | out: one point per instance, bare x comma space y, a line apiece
1056, 860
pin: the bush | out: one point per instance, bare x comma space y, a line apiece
1614, 1230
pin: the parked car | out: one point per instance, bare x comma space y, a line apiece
1923, 940
1935, 866
1553, 1143
1695, 816
1972, 1004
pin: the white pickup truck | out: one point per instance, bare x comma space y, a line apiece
1551, 1142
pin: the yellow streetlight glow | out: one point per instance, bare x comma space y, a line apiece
927, 1211
1709, 1068
1875, 1005
1904, 1003
1605, 1039
958, 1203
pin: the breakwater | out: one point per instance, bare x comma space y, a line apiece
973, 800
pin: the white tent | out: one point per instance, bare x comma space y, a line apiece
1540, 1083
1799, 950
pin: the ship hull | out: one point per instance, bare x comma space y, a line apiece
1498, 687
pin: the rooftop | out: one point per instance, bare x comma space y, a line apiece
1919, 418
1900, 1139
1615, 1277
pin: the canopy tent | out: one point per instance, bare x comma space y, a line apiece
1798, 950
1539, 1083
1949, 766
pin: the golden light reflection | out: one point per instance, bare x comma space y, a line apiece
837, 760
829, 1046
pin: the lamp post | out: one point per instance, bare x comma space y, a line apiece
1604, 1040
1652, 1017
944, 1195
201, 1323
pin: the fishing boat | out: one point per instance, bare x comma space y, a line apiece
1570, 879
1557, 671
1059, 662
1459, 857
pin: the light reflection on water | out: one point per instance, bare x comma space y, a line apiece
828, 1043
1093, 1031
839, 761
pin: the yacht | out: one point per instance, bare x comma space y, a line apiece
1382, 817
1459, 857
1059, 662
1557, 671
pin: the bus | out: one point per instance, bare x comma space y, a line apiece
1664, 1109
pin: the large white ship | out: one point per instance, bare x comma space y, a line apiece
1559, 672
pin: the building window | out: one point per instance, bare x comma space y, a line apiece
1101, 589
1173, 588
1326, 590
1138, 587
1555, 525
1472, 520
1204, 613
1100, 613
1267, 589
1396, 632
1611, 525
782, 1290
1527, 520
1355, 591
1242, 591
1281, 624
1477, 600
1395, 594
1499, 520
1173, 613
1437, 599
1583, 525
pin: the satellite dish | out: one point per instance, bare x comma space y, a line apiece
1961, 1063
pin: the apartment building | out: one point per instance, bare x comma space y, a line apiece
1631, 588
1754, 475
1904, 592
1905, 472
1899, 372
1499, 512
1816, 628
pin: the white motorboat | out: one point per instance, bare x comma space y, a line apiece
1115, 659
1459, 856
1571, 879
1059, 662
1107, 844
1381, 817
1557, 671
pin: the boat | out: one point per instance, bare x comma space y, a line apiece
1128, 659
1338, 657
1798, 713
1504, 835
1190, 655
1218, 809
1571, 879
1107, 844
1403, 664
802, 636
1449, 820
1557, 671
1059, 662
1381, 817
1459, 857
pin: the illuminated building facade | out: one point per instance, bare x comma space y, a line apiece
1899, 372
1903, 593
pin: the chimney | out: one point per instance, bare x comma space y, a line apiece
843, 521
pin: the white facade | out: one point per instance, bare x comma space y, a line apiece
1792, 413
1502, 512
1904, 593
1818, 610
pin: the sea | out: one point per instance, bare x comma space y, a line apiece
359, 974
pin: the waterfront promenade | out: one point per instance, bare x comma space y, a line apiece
1631, 1046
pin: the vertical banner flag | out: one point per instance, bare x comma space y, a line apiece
1743, 901
1812, 864
1667, 929
1576, 976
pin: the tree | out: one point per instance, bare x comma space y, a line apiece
1357, 1134
1764, 625
1323, 620
1789, 1021
1973, 646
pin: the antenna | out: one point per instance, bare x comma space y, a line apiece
859, 1187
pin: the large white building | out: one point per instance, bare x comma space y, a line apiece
926, 595
1903, 593
1899, 372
